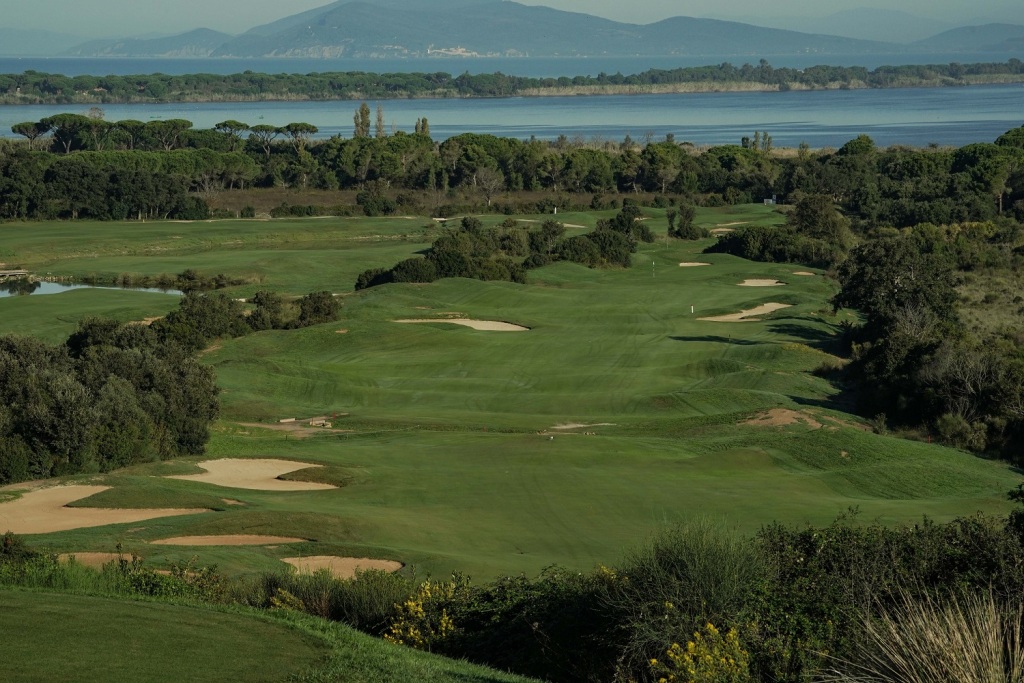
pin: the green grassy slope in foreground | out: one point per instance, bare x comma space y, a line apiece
104, 640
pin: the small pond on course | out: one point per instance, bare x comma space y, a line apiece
29, 287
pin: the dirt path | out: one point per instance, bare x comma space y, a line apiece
341, 567
44, 511
747, 315
482, 325
258, 475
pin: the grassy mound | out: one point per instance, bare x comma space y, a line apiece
106, 640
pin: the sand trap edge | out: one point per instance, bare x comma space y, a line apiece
341, 567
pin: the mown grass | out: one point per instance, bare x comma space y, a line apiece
451, 461
59, 636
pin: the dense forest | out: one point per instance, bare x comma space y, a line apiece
34, 87
83, 166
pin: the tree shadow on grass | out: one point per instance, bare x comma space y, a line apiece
718, 339
829, 340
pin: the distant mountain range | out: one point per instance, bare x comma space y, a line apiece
418, 28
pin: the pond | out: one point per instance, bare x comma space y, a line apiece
26, 287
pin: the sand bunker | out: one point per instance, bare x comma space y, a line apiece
761, 283
692, 264
94, 560
259, 475
747, 315
804, 273
482, 325
722, 231
43, 511
782, 417
236, 539
341, 567
576, 425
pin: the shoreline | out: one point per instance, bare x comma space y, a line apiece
589, 90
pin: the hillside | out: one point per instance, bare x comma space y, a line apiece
198, 43
481, 28
994, 37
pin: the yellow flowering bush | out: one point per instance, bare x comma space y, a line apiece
422, 621
709, 658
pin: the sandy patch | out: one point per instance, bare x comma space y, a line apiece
761, 283
747, 315
259, 475
482, 325
692, 264
43, 511
721, 231
782, 417
576, 425
94, 560
145, 321
804, 273
300, 430
234, 539
341, 332
341, 567
726, 225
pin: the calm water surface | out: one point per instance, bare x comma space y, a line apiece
918, 117
26, 288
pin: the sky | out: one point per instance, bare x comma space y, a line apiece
93, 18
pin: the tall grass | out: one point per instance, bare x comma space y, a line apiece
969, 638
687, 576
365, 602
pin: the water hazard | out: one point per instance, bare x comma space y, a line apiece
25, 287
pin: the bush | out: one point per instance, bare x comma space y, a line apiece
316, 308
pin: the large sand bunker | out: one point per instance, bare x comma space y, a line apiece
235, 539
44, 511
482, 325
258, 475
761, 283
692, 264
341, 567
747, 315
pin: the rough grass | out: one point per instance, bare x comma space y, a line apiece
109, 640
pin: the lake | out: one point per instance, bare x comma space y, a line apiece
916, 116
38, 288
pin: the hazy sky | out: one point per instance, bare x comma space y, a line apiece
136, 17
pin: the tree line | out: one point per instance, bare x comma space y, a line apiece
35, 87
83, 166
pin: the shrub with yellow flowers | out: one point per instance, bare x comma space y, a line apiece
710, 657
423, 621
